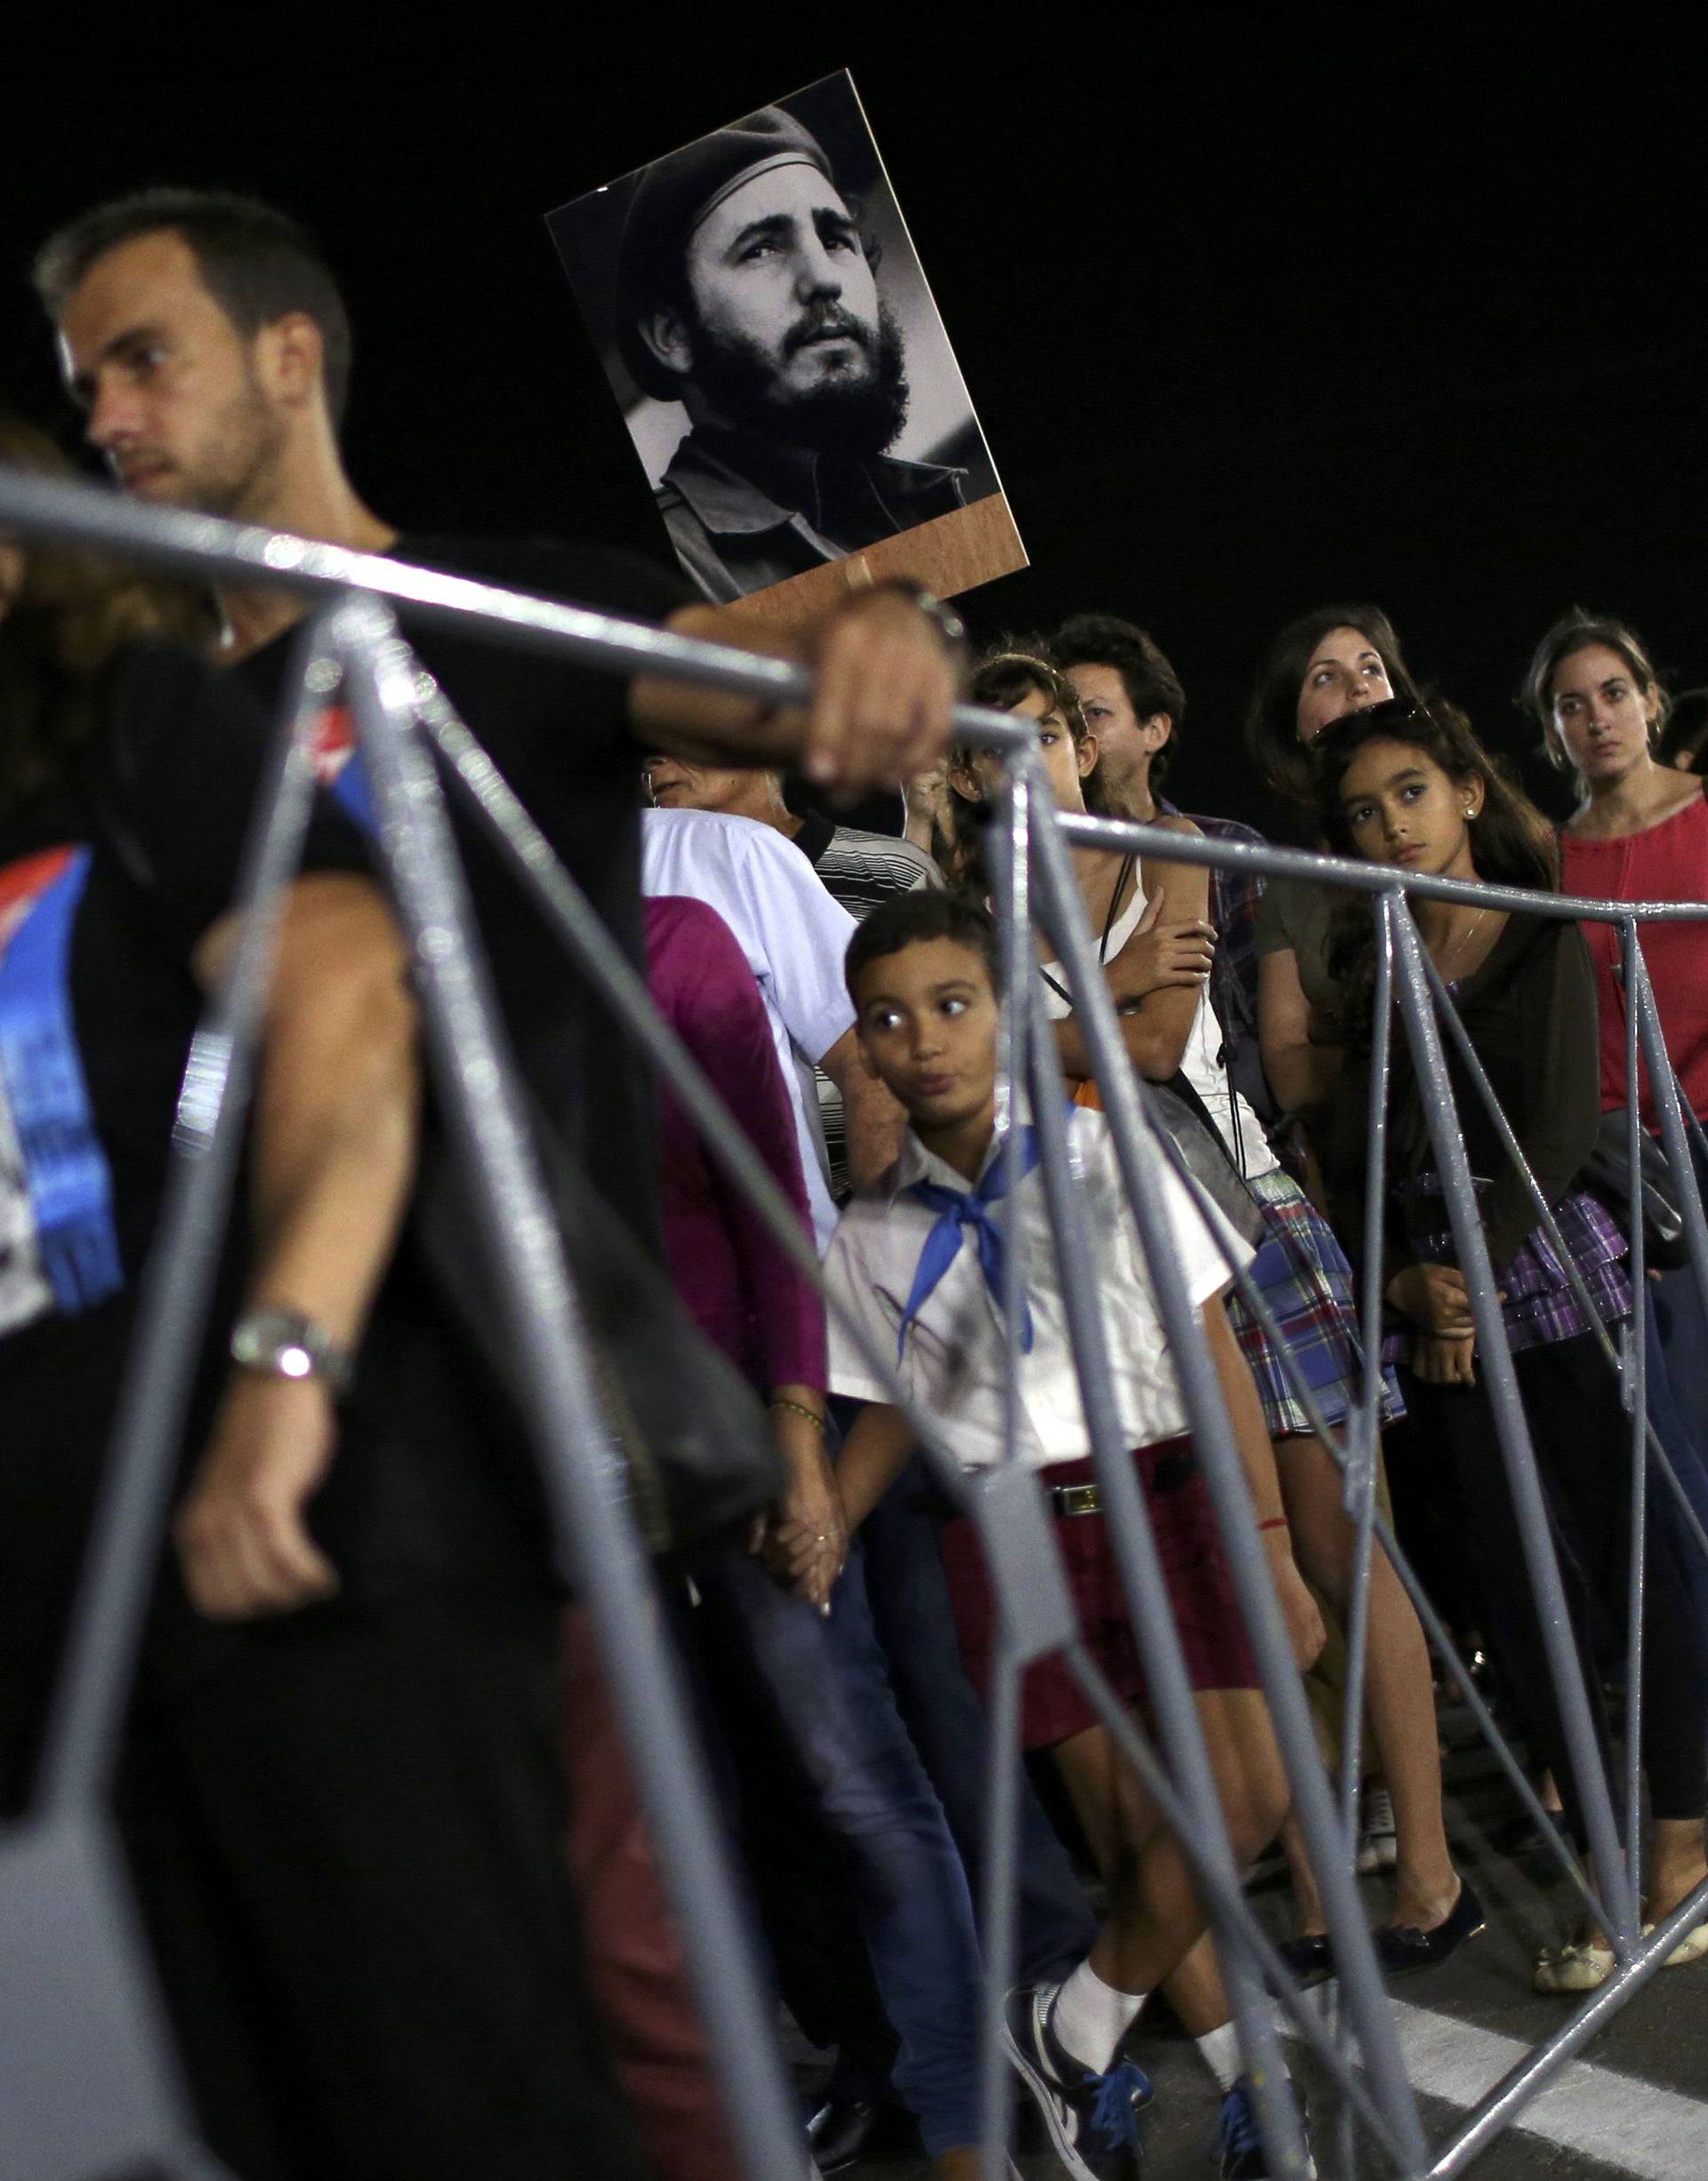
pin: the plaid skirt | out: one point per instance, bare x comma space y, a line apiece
1302, 1273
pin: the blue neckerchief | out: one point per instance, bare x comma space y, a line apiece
353, 792
959, 1208
70, 1184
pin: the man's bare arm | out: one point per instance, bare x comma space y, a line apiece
874, 1120
886, 683
335, 1130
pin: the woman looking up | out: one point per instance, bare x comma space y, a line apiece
1335, 660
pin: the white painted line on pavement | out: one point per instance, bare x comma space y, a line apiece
1634, 2127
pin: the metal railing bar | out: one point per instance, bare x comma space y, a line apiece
208, 547
1147, 1595
1062, 915
1546, 1220
1000, 1902
1511, 2096
1307, 2023
110, 1606
505, 821
1434, 1628
1512, 1431
1002, 1884
1361, 1468
1010, 848
1347, 874
1636, 1388
555, 1386
1640, 999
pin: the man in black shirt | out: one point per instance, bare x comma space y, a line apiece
209, 346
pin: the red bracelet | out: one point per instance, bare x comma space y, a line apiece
1274, 1522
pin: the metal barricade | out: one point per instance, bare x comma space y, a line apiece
60, 1859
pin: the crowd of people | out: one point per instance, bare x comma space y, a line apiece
395, 1875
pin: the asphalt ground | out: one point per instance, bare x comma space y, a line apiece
1634, 2102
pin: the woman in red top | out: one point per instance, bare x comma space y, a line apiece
1639, 833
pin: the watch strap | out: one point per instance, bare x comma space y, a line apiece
288, 1344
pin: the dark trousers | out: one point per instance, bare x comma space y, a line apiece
636, 1955
346, 1832
800, 1879
945, 1717
1581, 1440
806, 1704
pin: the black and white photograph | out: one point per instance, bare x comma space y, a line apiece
781, 369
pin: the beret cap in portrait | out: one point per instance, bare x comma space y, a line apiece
675, 196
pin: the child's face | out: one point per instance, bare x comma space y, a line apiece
1066, 762
1402, 809
928, 1030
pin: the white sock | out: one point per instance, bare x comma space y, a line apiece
1090, 2017
1222, 2054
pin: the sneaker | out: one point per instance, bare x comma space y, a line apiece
1243, 2155
1378, 1842
1092, 2120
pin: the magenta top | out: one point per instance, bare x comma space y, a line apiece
739, 1287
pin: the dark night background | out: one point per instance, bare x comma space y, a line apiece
1259, 307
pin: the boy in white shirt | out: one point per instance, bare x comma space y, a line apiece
921, 973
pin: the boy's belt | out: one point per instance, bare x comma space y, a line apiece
1170, 1473
1074, 1499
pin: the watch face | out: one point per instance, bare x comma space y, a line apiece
275, 1341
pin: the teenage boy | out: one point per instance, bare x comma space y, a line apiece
918, 1262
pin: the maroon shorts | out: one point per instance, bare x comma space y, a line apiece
1206, 1615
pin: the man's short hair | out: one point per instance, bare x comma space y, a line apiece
908, 919
1151, 684
256, 263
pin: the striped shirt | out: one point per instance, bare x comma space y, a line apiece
861, 870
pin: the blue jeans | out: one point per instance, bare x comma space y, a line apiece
945, 1717
823, 1683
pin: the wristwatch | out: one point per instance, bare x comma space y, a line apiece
287, 1344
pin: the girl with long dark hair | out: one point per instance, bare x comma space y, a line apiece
1410, 786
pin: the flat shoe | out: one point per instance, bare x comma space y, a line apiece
1310, 1959
1690, 1948
1582, 1967
1402, 1947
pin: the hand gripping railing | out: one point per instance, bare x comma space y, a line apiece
354, 644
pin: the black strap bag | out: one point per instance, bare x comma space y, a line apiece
1607, 1172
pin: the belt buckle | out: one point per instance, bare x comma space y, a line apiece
1076, 1499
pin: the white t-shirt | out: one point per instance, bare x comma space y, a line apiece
794, 937
952, 1361
1202, 1063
